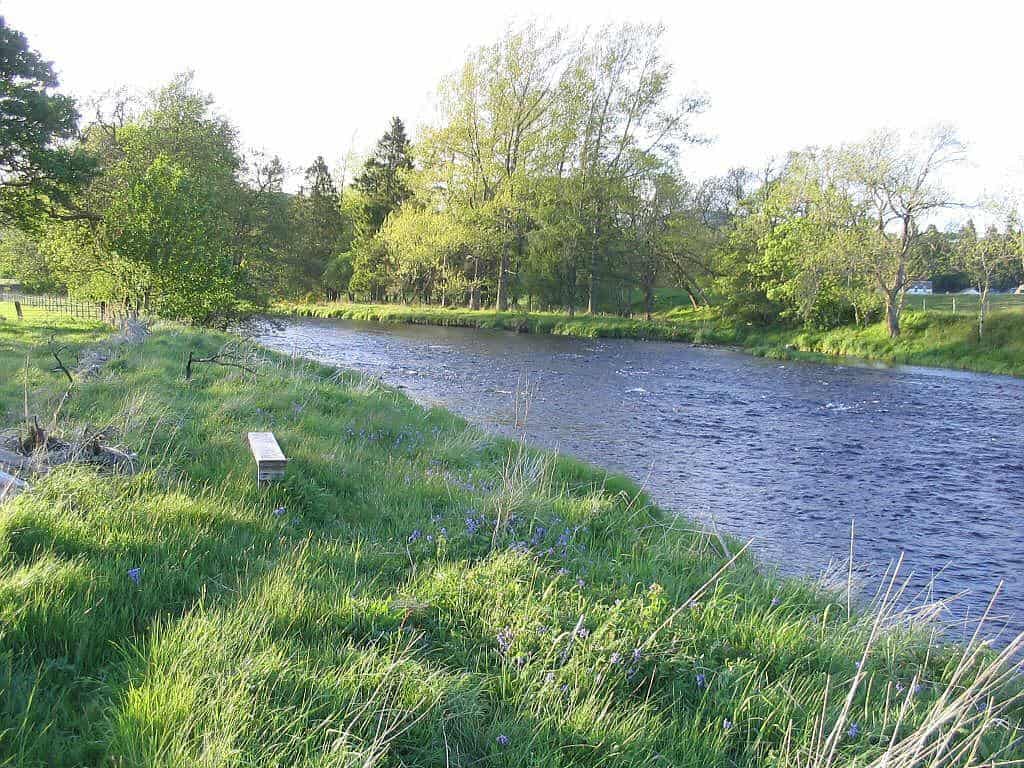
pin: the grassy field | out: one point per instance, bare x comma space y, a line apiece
965, 302
929, 338
416, 593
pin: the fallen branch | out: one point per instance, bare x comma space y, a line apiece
55, 351
228, 357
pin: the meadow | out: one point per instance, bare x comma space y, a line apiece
419, 593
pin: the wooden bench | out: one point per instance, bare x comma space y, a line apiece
270, 459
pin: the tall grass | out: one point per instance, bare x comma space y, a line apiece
419, 593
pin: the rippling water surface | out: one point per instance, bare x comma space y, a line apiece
927, 462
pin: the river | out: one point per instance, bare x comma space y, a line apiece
926, 462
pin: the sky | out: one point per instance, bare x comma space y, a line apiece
307, 78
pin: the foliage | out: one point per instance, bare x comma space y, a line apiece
21, 259
40, 167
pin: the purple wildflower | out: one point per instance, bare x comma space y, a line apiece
581, 583
504, 639
549, 678
279, 511
727, 725
582, 633
415, 535
853, 731
135, 574
503, 740
637, 655
563, 571
520, 662
775, 602
700, 679
616, 658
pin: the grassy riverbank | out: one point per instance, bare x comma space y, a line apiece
414, 593
929, 338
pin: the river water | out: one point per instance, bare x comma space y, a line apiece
926, 462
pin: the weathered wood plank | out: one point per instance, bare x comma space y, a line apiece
264, 447
270, 459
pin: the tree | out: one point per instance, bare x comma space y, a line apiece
169, 222
21, 259
39, 167
320, 227
496, 113
982, 259
382, 180
894, 180
167, 226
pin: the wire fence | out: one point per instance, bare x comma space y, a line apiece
87, 310
963, 302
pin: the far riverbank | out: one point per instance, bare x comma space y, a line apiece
931, 339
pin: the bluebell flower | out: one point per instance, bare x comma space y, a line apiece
917, 688
563, 571
503, 740
581, 583
415, 535
280, 511
504, 639
727, 724
135, 574
583, 633
775, 602
616, 658
637, 654
853, 731
700, 679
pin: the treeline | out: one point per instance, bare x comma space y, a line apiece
549, 179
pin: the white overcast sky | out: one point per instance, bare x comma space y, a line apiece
305, 78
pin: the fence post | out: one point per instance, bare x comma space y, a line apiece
17, 308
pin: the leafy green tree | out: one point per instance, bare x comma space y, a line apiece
168, 215
40, 167
170, 222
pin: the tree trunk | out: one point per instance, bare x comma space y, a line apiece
892, 315
648, 301
502, 297
983, 301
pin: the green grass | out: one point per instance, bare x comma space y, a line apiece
965, 302
938, 339
350, 615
